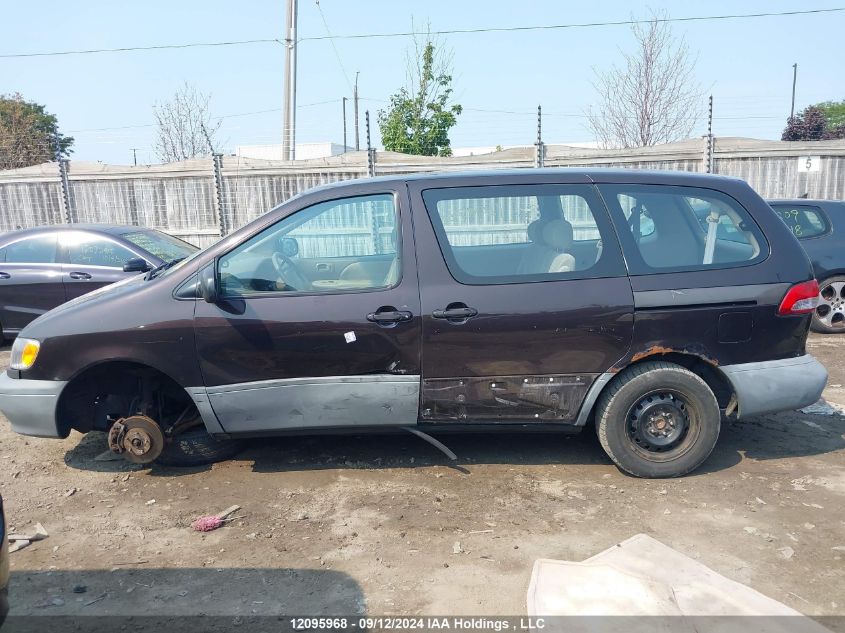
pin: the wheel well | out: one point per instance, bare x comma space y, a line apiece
707, 371
99, 395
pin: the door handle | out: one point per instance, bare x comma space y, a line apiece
78, 275
389, 314
455, 312
5, 276
323, 267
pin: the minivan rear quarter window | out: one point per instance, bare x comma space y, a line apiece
674, 229
523, 233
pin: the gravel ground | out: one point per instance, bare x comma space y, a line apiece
383, 525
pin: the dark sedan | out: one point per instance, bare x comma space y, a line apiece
42, 268
820, 227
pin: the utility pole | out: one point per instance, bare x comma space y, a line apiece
344, 124
355, 106
794, 80
135, 156
289, 133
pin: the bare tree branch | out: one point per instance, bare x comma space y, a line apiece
653, 97
184, 128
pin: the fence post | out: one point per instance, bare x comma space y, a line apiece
371, 152
708, 150
540, 154
217, 160
63, 177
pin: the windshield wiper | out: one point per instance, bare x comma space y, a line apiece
155, 272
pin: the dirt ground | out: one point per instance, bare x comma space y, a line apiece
383, 525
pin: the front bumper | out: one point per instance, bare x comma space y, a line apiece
30, 405
776, 385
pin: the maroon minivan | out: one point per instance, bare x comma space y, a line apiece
533, 299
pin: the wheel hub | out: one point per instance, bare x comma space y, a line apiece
658, 421
831, 309
138, 438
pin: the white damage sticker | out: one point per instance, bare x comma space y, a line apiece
350, 337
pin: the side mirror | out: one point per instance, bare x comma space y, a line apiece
136, 265
208, 283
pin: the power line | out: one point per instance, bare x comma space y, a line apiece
218, 118
125, 49
548, 27
544, 27
334, 47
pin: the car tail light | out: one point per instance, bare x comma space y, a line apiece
801, 298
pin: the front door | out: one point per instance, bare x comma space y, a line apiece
525, 298
286, 348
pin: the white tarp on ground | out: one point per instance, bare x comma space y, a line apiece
643, 577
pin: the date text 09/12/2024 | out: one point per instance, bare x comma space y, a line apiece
417, 623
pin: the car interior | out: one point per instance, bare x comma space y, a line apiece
671, 231
544, 243
341, 253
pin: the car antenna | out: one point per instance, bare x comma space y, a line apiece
434, 442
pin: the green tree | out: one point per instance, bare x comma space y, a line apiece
29, 135
419, 116
834, 114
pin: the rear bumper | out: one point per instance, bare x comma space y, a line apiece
30, 405
776, 385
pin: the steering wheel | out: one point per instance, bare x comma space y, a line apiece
289, 273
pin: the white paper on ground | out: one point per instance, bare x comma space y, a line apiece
643, 576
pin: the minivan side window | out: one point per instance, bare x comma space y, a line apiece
672, 229
523, 233
803, 220
95, 250
338, 245
32, 250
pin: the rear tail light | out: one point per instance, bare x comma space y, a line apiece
801, 298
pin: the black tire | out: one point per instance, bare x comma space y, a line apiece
651, 395
831, 307
195, 447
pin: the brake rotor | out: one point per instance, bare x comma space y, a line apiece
138, 438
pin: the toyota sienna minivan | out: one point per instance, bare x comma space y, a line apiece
516, 300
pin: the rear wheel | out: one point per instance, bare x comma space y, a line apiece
658, 419
829, 317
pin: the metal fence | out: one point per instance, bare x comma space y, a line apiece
202, 199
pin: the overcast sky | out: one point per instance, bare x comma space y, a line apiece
745, 63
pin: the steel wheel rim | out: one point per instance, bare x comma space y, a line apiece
662, 425
831, 309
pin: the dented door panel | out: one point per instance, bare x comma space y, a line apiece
544, 398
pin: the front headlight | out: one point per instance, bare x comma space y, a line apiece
24, 353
